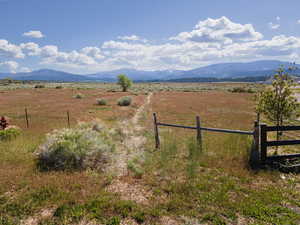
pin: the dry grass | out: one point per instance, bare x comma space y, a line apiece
217, 185
179, 185
47, 107
215, 108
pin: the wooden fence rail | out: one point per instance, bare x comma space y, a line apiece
197, 127
260, 142
264, 143
27, 116
208, 129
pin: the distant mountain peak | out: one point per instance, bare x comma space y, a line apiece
220, 70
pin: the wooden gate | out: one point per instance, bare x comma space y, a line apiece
264, 143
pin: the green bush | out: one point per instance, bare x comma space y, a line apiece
124, 101
59, 87
241, 90
9, 133
78, 96
137, 171
39, 86
78, 148
101, 101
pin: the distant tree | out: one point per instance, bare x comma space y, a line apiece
9, 80
277, 102
124, 82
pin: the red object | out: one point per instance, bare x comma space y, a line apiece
3, 123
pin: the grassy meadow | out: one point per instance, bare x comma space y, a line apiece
176, 184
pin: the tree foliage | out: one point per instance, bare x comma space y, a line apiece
277, 102
124, 82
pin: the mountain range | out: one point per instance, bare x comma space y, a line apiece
222, 71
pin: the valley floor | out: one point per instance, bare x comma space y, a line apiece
176, 184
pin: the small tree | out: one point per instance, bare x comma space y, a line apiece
124, 82
277, 102
8, 80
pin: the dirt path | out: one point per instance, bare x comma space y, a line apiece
133, 141
131, 148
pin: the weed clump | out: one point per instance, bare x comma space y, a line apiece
79, 96
39, 86
137, 171
124, 101
9, 133
101, 101
241, 90
75, 149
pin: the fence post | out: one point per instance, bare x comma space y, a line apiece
26, 116
157, 142
199, 134
263, 142
256, 135
254, 154
68, 116
258, 117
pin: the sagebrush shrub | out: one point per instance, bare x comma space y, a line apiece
124, 101
39, 86
9, 133
78, 96
101, 101
241, 90
77, 148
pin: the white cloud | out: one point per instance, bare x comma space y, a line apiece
298, 21
9, 66
51, 55
30, 48
24, 70
130, 38
212, 41
280, 45
73, 58
220, 30
278, 18
34, 34
49, 51
274, 26
93, 52
187, 55
8, 50
178, 55
12, 67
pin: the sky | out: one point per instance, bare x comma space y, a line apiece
88, 36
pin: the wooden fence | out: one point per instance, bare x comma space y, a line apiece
197, 127
264, 143
27, 121
259, 133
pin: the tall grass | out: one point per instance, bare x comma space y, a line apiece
194, 157
219, 151
216, 185
229, 152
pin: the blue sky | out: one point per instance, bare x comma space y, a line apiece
98, 35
